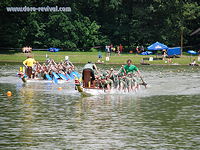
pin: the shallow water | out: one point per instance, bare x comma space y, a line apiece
163, 116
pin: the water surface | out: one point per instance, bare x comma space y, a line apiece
163, 116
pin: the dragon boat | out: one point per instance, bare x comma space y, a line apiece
53, 78
87, 88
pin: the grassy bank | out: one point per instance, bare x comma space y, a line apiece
84, 57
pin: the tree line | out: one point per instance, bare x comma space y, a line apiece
100, 22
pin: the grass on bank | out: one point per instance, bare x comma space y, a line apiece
84, 57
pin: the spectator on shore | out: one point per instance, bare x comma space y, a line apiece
99, 55
118, 51
164, 54
27, 49
120, 48
169, 60
142, 49
108, 50
137, 49
194, 63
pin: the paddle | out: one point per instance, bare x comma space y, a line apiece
55, 77
72, 75
48, 77
143, 83
124, 70
77, 74
109, 75
68, 76
55, 80
63, 77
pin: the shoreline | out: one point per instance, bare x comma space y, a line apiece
84, 57
78, 63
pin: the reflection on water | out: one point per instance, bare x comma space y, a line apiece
163, 116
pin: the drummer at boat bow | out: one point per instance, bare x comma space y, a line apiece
28, 63
89, 68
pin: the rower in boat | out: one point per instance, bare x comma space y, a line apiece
67, 63
39, 71
104, 81
47, 71
127, 79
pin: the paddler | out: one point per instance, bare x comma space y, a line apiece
68, 63
105, 80
115, 79
28, 63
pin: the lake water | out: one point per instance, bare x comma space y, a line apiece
166, 115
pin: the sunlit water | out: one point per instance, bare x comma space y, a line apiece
166, 115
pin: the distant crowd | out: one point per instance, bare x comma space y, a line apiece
27, 49
115, 49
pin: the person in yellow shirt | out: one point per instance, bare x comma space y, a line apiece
28, 63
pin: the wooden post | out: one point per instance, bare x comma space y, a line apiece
181, 41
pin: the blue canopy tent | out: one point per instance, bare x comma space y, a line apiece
192, 52
53, 49
146, 53
157, 46
174, 51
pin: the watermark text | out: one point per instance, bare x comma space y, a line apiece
38, 9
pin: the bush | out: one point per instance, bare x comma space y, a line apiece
93, 50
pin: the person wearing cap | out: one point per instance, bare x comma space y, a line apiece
28, 63
68, 63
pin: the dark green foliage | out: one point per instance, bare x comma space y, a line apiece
99, 22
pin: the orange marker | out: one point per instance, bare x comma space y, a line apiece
9, 93
60, 88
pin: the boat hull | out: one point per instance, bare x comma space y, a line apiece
42, 81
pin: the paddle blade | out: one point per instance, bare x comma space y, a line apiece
48, 77
144, 84
68, 77
55, 75
72, 75
77, 74
63, 76
55, 80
